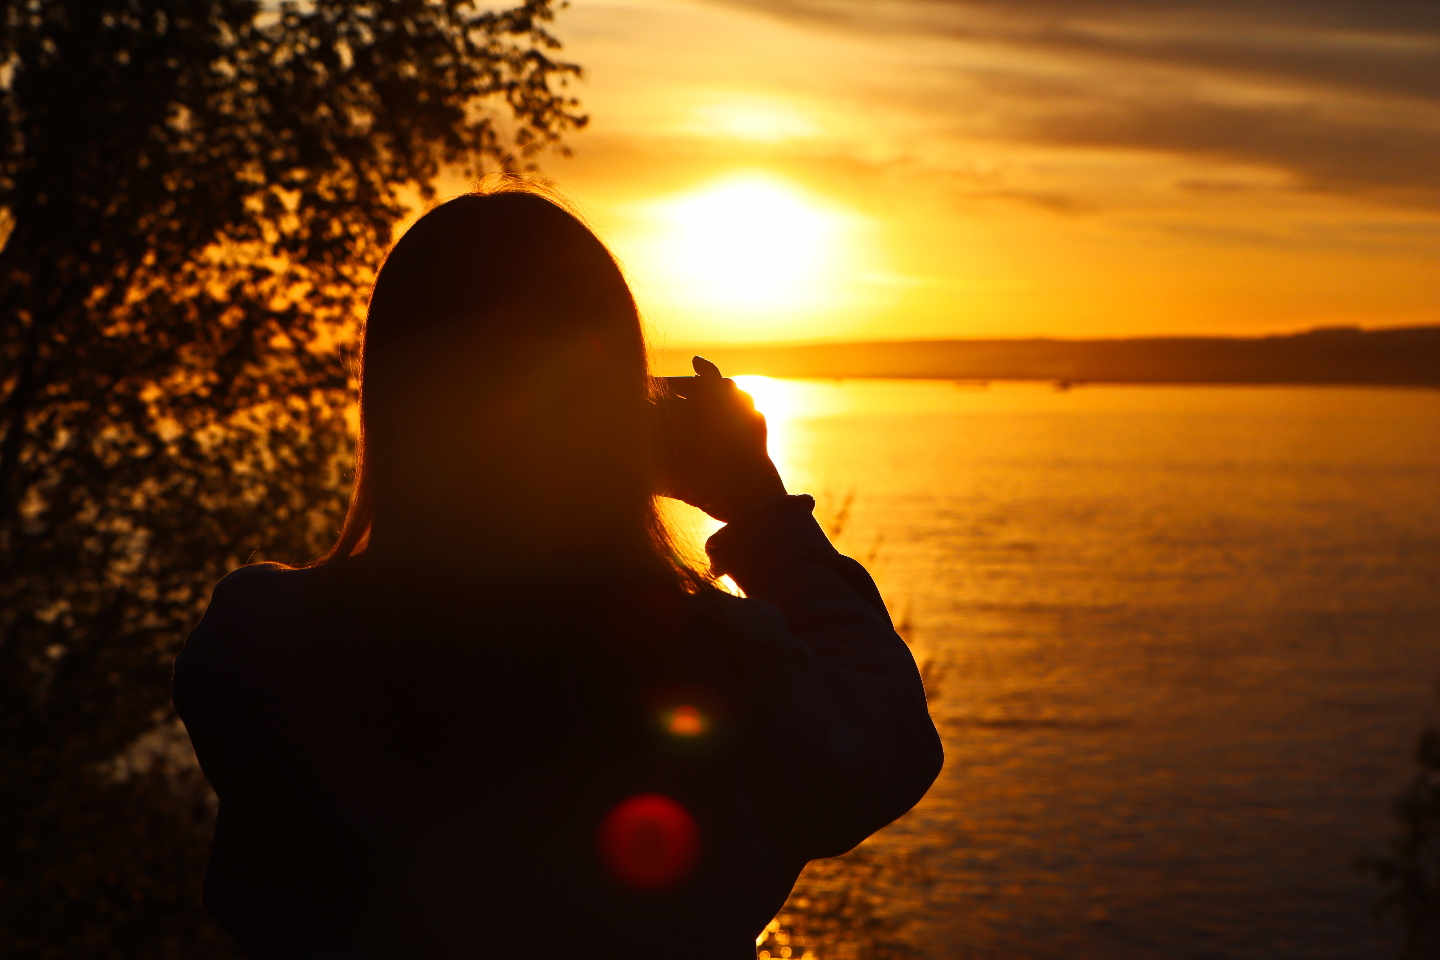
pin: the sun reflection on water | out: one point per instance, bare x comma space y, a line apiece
785, 404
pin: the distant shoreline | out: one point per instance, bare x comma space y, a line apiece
1402, 356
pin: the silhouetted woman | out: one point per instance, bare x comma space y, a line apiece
500, 718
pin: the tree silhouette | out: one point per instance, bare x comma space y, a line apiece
1410, 875
197, 194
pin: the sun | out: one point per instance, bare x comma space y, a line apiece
754, 246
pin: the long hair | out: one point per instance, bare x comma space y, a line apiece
505, 400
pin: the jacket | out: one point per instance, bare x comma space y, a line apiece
659, 774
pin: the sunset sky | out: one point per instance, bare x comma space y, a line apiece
837, 169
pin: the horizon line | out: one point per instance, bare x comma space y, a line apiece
1336, 329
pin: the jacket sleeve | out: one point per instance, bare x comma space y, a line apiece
844, 717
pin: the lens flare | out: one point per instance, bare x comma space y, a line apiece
686, 721
649, 842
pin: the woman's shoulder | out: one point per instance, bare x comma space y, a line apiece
249, 593
250, 609
256, 587
259, 575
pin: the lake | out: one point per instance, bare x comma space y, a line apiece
1188, 638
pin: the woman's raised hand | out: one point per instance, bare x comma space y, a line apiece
712, 445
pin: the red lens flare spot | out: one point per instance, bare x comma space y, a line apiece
649, 842
685, 721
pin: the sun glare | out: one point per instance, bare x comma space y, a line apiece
777, 399
752, 245
777, 402
783, 402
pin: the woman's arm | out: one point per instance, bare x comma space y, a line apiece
840, 720
844, 723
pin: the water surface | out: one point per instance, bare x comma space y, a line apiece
1190, 634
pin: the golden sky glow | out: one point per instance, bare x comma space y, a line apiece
839, 169
758, 119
